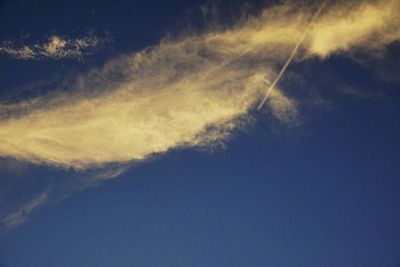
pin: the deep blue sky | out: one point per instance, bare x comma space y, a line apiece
323, 193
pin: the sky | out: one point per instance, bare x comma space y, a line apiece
200, 133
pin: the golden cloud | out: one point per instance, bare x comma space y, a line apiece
56, 47
186, 92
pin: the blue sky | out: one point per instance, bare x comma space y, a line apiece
130, 134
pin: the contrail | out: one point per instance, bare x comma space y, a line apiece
294, 51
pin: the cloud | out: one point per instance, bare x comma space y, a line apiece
370, 25
56, 47
23, 192
192, 91
358, 93
188, 92
21, 215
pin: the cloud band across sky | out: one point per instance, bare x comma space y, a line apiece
191, 91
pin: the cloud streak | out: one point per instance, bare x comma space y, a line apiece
56, 47
21, 215
186, 92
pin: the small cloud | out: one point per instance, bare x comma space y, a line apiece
358, 93
282, 107
21, 215
56, 47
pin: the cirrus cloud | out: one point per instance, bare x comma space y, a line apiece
192, 91
182, 93
56, 47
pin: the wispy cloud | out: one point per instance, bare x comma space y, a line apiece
15, 208
21, 215
187, 92
56, 47
183, 93
360, 93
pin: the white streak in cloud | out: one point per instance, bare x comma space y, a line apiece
290, 58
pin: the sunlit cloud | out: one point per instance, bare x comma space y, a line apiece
370, 25
188, 92
56, 47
